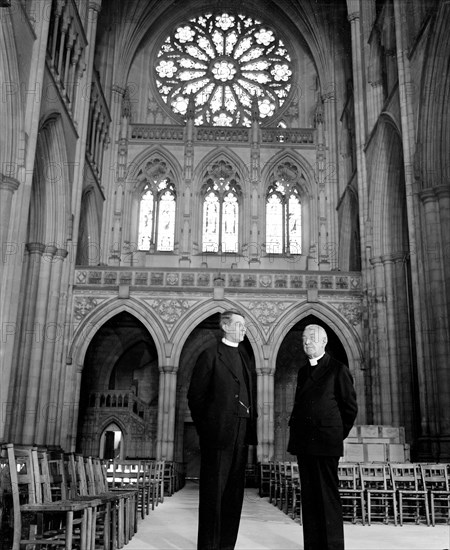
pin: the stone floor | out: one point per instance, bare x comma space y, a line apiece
173, 525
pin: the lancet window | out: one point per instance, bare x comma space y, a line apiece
284, 212
157, 208
221, 204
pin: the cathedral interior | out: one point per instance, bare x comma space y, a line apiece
162, 161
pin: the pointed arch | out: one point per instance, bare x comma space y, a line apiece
387, 197
433, 168
88, 249
11, 114
201, 312
51, 190
87, 329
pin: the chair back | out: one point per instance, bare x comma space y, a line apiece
406, 476
349, 476
435, 477
376, 476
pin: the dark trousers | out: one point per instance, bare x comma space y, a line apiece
323, 527
222, 483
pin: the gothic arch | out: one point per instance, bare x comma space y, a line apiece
216, 155
87, 329
351, 340
137, 164
200, 313
387, 192
11, 113
88, 249
50, 196
433, 167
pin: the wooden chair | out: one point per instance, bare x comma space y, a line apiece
412, 497
296, 493
123, 502
264, 479
6, 505
436, 482
284, 484
38, 520
274, 481
169, 478
351, 492
157, 480
380, 495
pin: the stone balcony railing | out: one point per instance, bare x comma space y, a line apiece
124, 400
214, 134
233, 279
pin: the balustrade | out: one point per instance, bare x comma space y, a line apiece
66, 49
119, 399
98, 127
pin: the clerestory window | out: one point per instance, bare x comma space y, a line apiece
157, 209
221, 62
283, 218
221, 195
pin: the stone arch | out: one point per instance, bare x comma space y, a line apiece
351, 340
387, 198
50, 196
201, 312
89, 326
88, 249
11, 113
349, 236
432, 166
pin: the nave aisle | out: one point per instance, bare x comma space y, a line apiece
173, 526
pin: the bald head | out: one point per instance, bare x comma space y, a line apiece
314, 341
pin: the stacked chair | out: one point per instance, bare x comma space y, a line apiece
387, 492
59, 500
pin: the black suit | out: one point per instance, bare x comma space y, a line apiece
324, 412
225, 422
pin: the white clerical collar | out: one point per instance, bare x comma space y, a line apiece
315, 360
230, 343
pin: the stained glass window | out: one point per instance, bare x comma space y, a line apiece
223, 61
157, 216
220, 210
283, 219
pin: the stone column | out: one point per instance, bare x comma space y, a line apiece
438, 329
391, 341
381, 385
166, 412
48, 403
407, 117
265, 399
8, 186
30, 425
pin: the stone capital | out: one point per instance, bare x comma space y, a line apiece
7, 183
95, 5
353, 16
35, 248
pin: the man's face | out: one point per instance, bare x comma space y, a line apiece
235, 329
314, 341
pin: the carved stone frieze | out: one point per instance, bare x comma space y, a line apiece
170, 310
83, 305
266, 312
351, 311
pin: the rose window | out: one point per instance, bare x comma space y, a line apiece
221, 65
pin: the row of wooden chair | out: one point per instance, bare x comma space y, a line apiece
55, 500
370, 491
